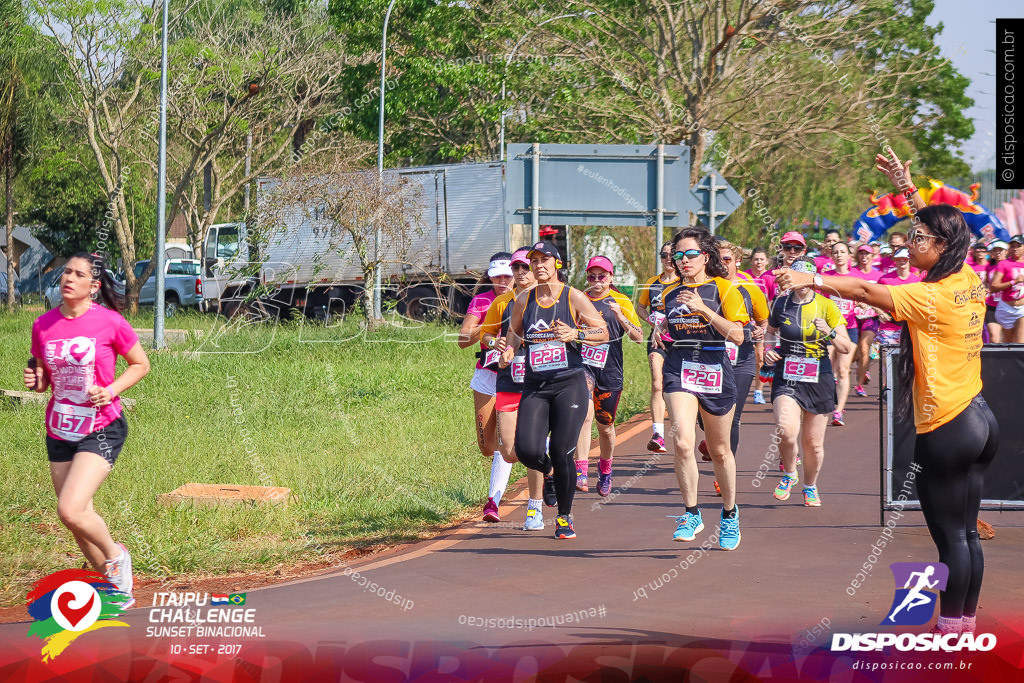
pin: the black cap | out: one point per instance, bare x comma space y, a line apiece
546, 248
1017, 238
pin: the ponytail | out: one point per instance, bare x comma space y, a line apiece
108, 293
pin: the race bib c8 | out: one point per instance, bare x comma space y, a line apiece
800, 369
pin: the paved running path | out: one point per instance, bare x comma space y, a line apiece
621, 576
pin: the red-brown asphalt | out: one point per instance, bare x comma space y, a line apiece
791, 572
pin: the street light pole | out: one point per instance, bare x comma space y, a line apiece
161, 189
508, 60
377, 286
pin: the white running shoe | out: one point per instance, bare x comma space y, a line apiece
119, 571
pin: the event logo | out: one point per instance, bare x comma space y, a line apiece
917, 591
80, 351
70, 603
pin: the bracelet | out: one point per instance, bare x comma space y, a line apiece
909, 191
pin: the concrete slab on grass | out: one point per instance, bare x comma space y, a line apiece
226, 494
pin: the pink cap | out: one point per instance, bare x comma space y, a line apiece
794, 236
521, 256
865, 247
601, 262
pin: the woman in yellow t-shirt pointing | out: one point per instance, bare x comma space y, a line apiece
940, 357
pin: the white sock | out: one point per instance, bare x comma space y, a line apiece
792, 474
535, 503
950, 624
969, 624
500, 470
659, 429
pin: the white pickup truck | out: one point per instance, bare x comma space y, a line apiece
183, 285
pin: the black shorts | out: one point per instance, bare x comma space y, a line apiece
818, 398
716, 404
606, 403
106, 442
651, 348
990, 314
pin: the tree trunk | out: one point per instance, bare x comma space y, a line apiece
9, 206
369, 294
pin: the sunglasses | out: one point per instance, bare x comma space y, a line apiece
689, 254
917, 237
792, 247
598, 278
726, 259
520, 266
666, 254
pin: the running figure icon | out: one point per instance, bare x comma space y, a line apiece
916, 598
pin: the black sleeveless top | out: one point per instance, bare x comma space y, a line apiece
546, 357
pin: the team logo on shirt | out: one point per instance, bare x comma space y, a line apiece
677, 313
540, 331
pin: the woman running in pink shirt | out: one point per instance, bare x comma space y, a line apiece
74, 352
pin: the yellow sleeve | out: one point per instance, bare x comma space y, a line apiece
492, 320
732, 301
645, 292
832, 314
627, 307
760, 302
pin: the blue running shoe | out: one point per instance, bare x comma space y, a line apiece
689, 526
604, 484
534, 520
563, 527
729, 532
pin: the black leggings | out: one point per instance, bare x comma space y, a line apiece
558, 406
743, 380
953, 459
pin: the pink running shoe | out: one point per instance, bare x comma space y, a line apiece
491, 511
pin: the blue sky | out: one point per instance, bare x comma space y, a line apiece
968, 32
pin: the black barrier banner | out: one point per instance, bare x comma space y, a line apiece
1002, 376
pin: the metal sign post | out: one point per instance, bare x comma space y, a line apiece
610, 185
718, 199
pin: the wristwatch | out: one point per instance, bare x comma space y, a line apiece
818, 282
491, 342
581, 335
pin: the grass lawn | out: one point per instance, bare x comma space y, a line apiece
373, 433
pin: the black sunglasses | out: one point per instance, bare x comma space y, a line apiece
792, 247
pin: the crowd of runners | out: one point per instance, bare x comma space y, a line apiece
550, 364
794, 326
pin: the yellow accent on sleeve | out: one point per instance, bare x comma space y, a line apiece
492, 319
831, 313
759, 301
732, 301
627, 307
645, 292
